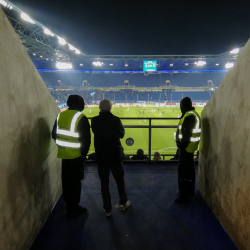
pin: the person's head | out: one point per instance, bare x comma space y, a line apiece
75, 102
185, 105
140, 152
105, 105
157, 156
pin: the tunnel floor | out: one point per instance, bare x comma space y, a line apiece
153, 221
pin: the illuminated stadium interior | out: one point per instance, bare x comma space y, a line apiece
121, 78
145, 92
46, 49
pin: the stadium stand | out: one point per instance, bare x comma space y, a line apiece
130, 96
137, 79
196, 96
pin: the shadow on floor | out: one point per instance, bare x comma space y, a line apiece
152, 222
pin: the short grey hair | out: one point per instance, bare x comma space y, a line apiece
105, 105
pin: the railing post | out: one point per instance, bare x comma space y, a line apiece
149, 140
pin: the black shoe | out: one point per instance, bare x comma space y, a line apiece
182, 200
78, 211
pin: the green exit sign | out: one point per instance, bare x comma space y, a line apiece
149, 66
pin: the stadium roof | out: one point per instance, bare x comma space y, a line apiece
46, 48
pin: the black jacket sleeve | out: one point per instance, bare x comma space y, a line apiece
83, 129
54, 130
122, 130
186, 130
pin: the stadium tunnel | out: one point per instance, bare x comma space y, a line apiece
31, 207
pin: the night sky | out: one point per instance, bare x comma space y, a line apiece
156, 27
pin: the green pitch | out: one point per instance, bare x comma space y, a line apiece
163, 139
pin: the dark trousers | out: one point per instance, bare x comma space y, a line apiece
186, 173
72, 174
118, 173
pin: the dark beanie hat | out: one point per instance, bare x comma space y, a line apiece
186, 103
75, 102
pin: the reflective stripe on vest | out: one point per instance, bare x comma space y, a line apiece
196, 132
68, 144
197, 128
193, 139
70, 133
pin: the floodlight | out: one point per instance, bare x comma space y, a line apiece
217, 64
47, 59
64, 65
61, 41
41, 56
235, 51
34, 54
77, 51
201, 63
186, 64
171, 65
81, 64
229, 65
48, 32
71, 47
3, 3
126, 65
111, 64
27, 18
97, 63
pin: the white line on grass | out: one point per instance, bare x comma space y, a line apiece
166, 148
84, 110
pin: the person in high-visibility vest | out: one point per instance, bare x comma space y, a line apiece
71, 133
187, 140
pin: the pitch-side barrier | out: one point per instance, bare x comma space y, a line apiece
149, 127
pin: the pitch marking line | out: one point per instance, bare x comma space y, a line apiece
166, 148
141, 121
84, 110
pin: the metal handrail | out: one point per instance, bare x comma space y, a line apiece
150, 126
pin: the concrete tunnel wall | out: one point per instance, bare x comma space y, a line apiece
224, 165
29, 169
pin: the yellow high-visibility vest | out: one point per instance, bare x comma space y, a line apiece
67, 137
196, 133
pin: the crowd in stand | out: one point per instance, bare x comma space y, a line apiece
91, 96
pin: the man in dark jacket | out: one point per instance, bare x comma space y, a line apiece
72, 158
108, 130
186, 171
